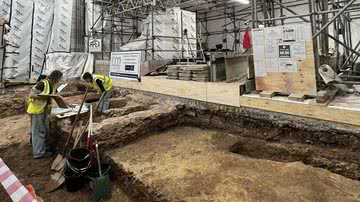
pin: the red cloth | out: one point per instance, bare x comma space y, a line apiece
247, 40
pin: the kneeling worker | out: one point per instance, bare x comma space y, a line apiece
103, 85
40, 108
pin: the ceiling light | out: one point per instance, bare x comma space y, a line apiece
242, 1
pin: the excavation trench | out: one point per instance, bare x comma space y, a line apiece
134, 118
169, 149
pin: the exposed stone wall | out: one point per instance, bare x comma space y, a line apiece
13, 100
281, 127
135, 115
11, 105
118, 131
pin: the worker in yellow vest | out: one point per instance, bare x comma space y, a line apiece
103, 85
39, 106
40, 78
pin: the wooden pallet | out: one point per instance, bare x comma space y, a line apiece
323, 97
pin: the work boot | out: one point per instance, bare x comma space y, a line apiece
45, 156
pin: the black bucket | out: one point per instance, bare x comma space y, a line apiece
74, 181
79, 160
77, 164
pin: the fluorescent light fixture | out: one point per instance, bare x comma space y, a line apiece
242, 1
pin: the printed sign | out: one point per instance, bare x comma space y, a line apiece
285, 51
289, 33
95, 45
287, 65
125, 65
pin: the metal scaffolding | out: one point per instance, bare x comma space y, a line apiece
321, 15
330, 20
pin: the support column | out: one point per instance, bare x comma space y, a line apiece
315, 39
324, 20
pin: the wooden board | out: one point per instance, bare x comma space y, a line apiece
299, 97
303, 81
215, 92
342, 110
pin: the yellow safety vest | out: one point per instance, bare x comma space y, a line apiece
106, 81
40, 106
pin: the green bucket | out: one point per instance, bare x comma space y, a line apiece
102, 188
101, 185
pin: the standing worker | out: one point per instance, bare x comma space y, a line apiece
40, 108
103, 85
40, 78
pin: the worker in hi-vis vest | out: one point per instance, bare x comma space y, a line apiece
39, 106
103, 85
40, 78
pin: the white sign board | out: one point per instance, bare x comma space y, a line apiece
125, 65
278, 49
95, 45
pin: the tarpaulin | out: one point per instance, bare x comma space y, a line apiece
93, 12
168, 30
36, 29
61, 32
5, 6
70, 64
17, 61
43, 18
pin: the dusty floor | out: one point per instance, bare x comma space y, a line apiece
190, 164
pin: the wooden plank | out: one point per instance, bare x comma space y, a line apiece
223, 93
348, 101
298, 97
303, 109
215, 92
268, 94
303, 81
344, 109
191, 89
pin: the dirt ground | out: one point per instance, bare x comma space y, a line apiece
191, 164
187, 163
15, 150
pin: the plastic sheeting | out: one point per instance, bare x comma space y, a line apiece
71, 65
61, 32
43, 19
5, 6
92, 14
35, 29
17, 61
168, 30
